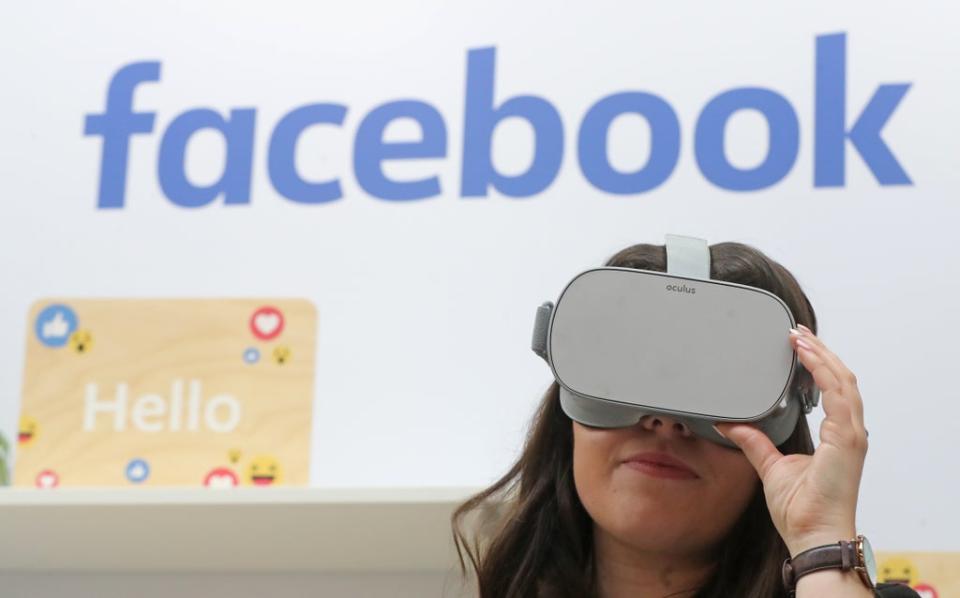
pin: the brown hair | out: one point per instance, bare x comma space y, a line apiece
535, 539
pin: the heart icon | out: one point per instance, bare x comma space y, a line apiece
221, 477
47, 479
266, 323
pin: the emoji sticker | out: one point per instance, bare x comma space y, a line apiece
137, 471
281, 355
264, 471
897, 570
221, 477
158, 393
925, 591
47, 479
266, 323
251, 355
55, 324
81, 341
28, 431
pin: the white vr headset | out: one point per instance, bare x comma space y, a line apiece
623, 343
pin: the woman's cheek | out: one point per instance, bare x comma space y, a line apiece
592, 454
734, 483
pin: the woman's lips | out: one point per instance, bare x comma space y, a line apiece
660, 465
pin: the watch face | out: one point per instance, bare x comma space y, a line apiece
869, 561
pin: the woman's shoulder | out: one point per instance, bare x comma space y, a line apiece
895, 590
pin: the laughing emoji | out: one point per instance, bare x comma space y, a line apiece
897, 570
28, 431
81, 341
264, 471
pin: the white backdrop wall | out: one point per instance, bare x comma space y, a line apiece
424, 374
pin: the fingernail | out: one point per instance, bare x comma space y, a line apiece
804, 344
796, 332
719, 432
804, 328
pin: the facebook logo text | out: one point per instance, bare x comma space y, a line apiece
832, 128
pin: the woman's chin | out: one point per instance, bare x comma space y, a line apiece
665, 535
656, 484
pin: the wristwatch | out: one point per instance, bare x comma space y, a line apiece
845, 555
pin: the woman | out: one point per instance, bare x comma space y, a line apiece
576, 518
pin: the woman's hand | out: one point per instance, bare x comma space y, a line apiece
813, 499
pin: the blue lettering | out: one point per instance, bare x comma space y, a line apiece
281, 161
115, 125
370, 150
118, 123
664, 143
830, 134
782, 144
481, 118
234, 183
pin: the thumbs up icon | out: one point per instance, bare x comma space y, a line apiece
55, 324
57, 327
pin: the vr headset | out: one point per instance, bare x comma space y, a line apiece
623, 343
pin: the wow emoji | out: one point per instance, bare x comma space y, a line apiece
81, 341
281, 354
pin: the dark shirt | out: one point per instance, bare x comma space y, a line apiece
895, 590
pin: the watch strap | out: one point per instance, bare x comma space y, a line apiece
842, 555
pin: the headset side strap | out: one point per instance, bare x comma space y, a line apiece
540, 329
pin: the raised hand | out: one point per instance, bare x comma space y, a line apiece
813, 498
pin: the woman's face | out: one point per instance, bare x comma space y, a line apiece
656, 486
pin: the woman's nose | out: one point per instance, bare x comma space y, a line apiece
666, 426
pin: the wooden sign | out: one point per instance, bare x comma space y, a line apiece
930, 574
164, 392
